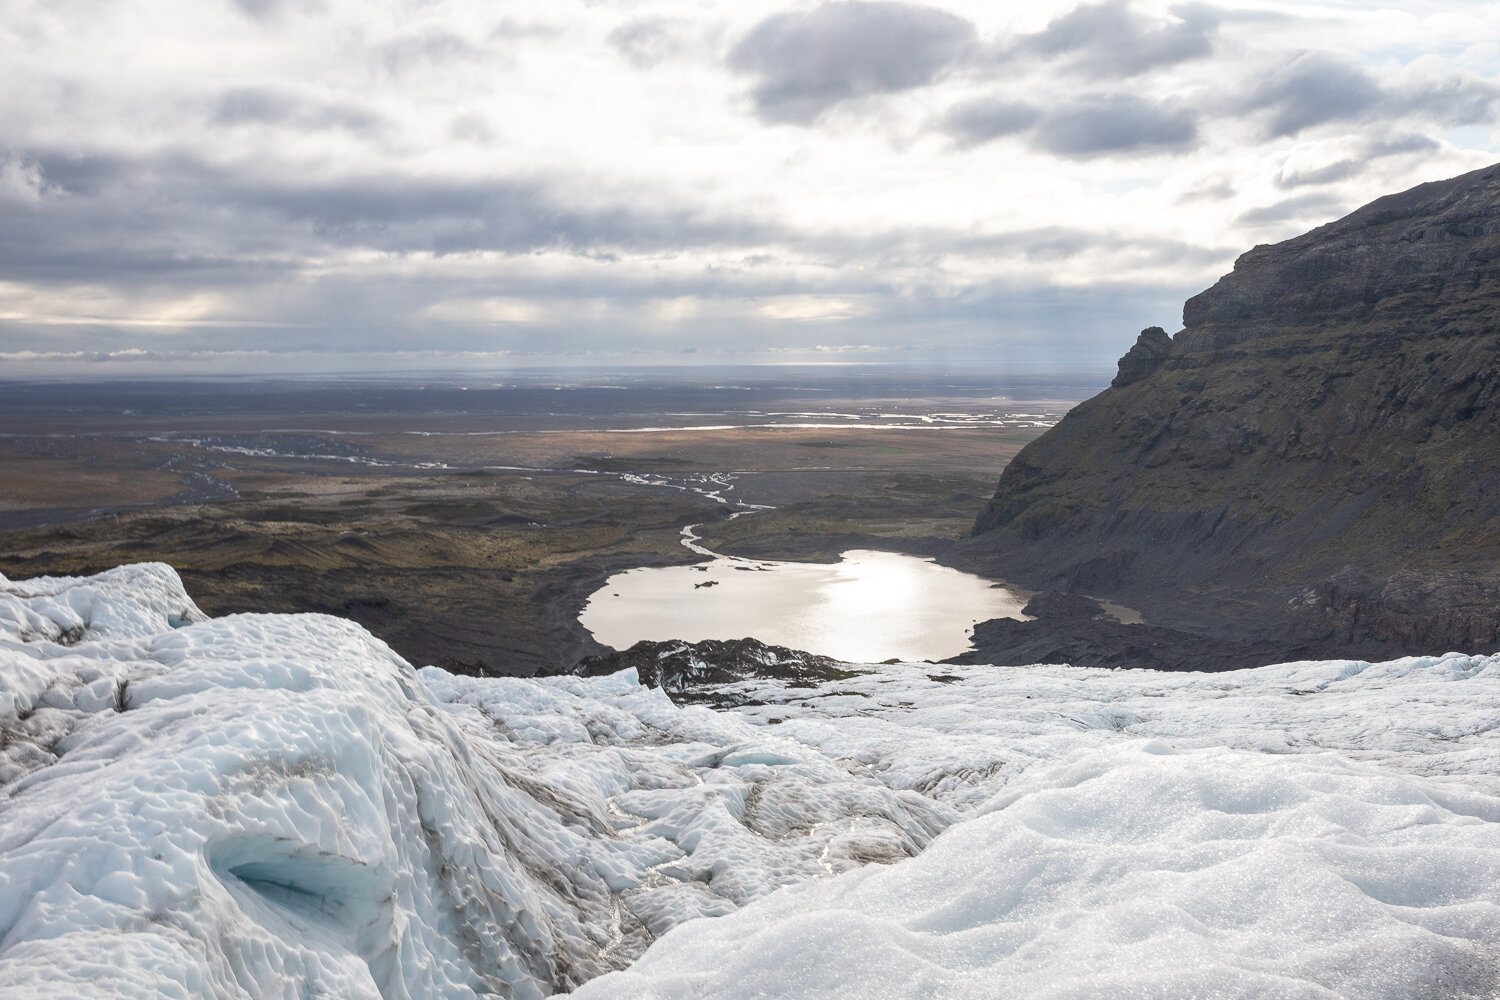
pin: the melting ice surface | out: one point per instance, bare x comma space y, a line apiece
869, 606
278, 806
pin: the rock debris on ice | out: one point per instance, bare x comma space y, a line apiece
278, 806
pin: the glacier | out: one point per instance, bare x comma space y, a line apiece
279, 806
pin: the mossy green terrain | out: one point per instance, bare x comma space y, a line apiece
902, 512
470, 574
480, 567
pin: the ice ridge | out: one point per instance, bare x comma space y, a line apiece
278, 806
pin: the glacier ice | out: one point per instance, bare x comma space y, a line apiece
1136, 871
278, 806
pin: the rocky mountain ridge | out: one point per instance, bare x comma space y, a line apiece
1314, 456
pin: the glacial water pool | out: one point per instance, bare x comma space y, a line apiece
868, 606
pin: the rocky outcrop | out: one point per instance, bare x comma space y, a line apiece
1150, 350
1315, 455
703, 672
1071, 628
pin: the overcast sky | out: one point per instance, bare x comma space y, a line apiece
303, 185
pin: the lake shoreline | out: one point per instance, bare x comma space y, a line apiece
869, 606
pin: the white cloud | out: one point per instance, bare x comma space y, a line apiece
20, 182
812, 308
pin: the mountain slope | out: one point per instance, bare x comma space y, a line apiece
1316, 453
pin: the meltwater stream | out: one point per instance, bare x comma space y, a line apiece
868, 606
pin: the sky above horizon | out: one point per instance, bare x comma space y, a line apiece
323, 185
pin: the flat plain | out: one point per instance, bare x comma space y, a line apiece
465, 522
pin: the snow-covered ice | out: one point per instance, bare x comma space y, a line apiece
278, 806
1137, 871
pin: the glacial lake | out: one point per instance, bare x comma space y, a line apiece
869, 606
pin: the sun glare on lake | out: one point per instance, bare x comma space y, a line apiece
867, 607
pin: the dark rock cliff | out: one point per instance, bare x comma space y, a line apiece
705, 672
1315, 455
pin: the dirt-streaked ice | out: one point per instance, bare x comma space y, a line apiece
278, 806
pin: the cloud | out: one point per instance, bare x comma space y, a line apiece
1089, 127
105, 217
1310, 89
1099, 125
647, 41
258, 9
472, 128
20, 181
1301, 208
70, 174
807, 62
408, 318
1302, 91
1111, 40
982, 119
278, 106
1060, 244
365, 176
410, 52
266, 11
1444, 98
1313, 169
512, 29
368, 251
178, 219
1317, 88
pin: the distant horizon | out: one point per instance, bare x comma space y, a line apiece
146, 371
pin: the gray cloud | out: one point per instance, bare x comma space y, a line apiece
1356, 164
1313, 88
1299, 208
352, 186
266, 11
176, 216
1091, 126
983, 119
1310, 89
405, 54
1306, 90
1058, 244
806, 62
272, 106
1098, 125
162, 227
1316, 88
108, 217
472, 128
1041, 325
69, 174
258, 9
647, 41
512, 29
1456, 100
181, 222
1209, 189
1328, 174
1112, 40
